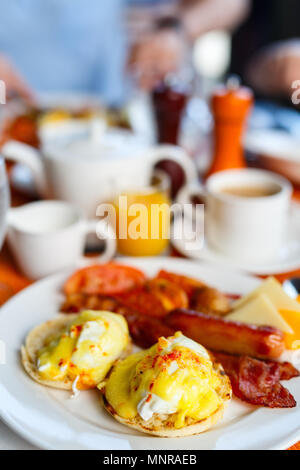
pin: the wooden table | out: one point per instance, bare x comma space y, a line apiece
12, 281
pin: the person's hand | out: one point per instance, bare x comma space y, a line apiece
156, 55
273, 70
15, 84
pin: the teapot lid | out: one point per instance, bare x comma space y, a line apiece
98, 141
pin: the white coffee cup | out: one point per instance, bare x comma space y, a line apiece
48, 236
249, 229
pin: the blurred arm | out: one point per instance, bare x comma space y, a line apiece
15, 84
274, 69
201, 16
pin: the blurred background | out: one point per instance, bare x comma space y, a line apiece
122, 51
116, 49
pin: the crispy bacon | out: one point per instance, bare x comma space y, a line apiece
257, 382
218, 334
287, 371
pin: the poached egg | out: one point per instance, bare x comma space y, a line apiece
85, 350
175, 377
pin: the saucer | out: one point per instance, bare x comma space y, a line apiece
287, 259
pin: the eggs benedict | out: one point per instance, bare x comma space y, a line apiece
75, 351
173, 389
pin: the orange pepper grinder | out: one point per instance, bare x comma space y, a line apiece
230, 106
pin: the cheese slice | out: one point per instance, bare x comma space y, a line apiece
293, 319
260, 311
272, 289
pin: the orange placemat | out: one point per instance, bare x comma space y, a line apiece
12, 281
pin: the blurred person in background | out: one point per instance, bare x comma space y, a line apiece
62, 46
266, 48
162, 31
82, 46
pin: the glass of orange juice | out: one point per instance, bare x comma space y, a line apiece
143, 218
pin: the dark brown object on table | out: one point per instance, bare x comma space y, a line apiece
218, 334
258, 382
169, 105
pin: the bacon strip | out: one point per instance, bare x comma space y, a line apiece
257, 382
287, 371
218, 334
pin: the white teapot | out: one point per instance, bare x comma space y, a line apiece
89, 170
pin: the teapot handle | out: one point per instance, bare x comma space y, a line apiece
28, 156
177, 155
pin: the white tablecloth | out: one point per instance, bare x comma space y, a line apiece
11, 441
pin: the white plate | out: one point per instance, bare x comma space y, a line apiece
51, 420
287, 259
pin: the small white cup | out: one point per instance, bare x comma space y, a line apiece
249, 229
48, 236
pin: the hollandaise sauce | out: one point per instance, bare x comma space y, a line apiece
85, 350
175, 377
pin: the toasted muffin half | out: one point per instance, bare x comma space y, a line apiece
162, 425
37, 339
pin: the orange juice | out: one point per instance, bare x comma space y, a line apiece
143, 222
